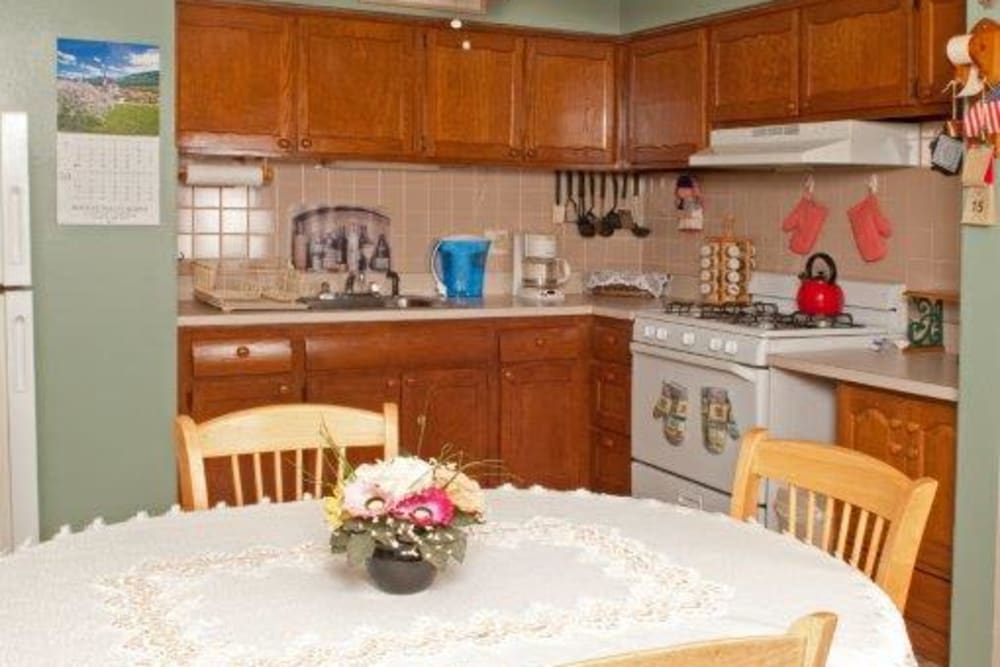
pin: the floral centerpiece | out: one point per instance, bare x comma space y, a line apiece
407, 509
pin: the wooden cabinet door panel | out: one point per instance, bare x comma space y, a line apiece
450, 406
356, 389
543, 438
234, 80
217, 396
872, 422
612, 463
937, 22
357, 81
754, 71
667, 78
572, 101
610, 395
931, 453
472, 102
856, 55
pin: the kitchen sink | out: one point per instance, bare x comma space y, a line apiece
375, 302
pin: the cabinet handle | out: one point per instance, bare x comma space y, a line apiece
895, 423
912, 427
284, 144
390, 383
514, 152
606, 441
539, 342
913, 453
609, 376
410, 381
532, 153
283, 389
509, 375
792, 106
895, 448
243, 352
307, 143
611, 339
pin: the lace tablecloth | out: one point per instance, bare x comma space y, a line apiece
551, 578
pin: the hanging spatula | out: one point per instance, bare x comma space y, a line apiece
559, 208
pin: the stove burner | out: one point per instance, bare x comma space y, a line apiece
759, 315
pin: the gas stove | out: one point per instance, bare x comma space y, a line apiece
765, 315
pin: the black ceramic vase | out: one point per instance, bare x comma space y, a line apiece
399, 574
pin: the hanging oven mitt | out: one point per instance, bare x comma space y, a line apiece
870, 228
672, 407
805, 222
717, 422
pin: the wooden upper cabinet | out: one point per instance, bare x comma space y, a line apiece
235, 90
856, 54
357, 87
571, 115
937, 21
754, 69
666, 98
473, 98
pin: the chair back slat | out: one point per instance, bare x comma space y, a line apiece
793, 515
810, 515
806, 644
285, 432
859, 489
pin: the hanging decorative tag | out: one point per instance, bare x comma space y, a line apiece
689, 203
718, 424
672, 407
978, 196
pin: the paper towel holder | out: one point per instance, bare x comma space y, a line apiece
267, 172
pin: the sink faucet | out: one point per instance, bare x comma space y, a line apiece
393, 277
355, 283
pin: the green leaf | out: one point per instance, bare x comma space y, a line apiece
360, 548
338, 541
458, 547
462, 520
435, 556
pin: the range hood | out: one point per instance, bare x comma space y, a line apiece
839, 142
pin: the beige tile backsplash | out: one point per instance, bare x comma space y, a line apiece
426, 204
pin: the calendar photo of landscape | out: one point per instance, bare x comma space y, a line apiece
108, 87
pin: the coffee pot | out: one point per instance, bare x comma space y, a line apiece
539, 272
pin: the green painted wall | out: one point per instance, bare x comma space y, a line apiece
580, 15
641, 14
105, 299
973, 603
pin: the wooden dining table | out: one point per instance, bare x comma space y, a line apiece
549, 578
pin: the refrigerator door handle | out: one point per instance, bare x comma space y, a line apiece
19, 354
15, 216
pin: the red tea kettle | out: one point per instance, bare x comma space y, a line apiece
819, 293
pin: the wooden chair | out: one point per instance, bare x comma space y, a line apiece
806, 644
286, 434
855, 491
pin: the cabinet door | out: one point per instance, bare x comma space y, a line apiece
612, 463
856, 55
872, 422
472, 102
446, 406
667, 98
610, 396
754, 71
356, 389
356, 87
234, 80
571, 101
937, 22
543, 439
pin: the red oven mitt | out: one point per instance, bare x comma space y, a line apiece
805, 222
870, 229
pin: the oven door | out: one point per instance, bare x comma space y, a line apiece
689, 412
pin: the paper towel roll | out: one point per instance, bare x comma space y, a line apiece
223, 174
958, 50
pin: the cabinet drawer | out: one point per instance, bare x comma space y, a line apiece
610, 343
538, 344
611, 391
217, 396
611, 454
241, 357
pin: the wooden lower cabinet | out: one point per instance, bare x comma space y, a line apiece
611, 455
447, 408
917, 436
544, 423
611, 407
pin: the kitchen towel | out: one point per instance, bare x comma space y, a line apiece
870, 228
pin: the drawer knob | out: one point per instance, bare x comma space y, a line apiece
610, 339
390, 383
532, 153
607, 442
284, 389
609, 377
913, 453
243, 352
410, 381
508, 375
284, 144
912, 427
307, 143
895, 448
539, 342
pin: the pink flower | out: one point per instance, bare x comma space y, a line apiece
430, 507
366, 499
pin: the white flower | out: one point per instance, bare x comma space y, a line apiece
400, 477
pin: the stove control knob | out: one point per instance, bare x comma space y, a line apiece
731, 347
715, 344
648, 331
688, 338
661, 333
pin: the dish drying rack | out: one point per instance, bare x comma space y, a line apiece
247, 285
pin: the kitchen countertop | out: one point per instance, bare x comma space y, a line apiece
196, 314
929, 374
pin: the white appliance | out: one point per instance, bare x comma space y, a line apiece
538, 271
839, 142
700, 379
18, 451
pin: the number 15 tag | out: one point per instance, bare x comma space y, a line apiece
978, 205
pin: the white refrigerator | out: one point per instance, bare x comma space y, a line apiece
18, 448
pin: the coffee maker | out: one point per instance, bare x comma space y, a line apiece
539, 272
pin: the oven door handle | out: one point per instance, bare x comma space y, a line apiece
748, 373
